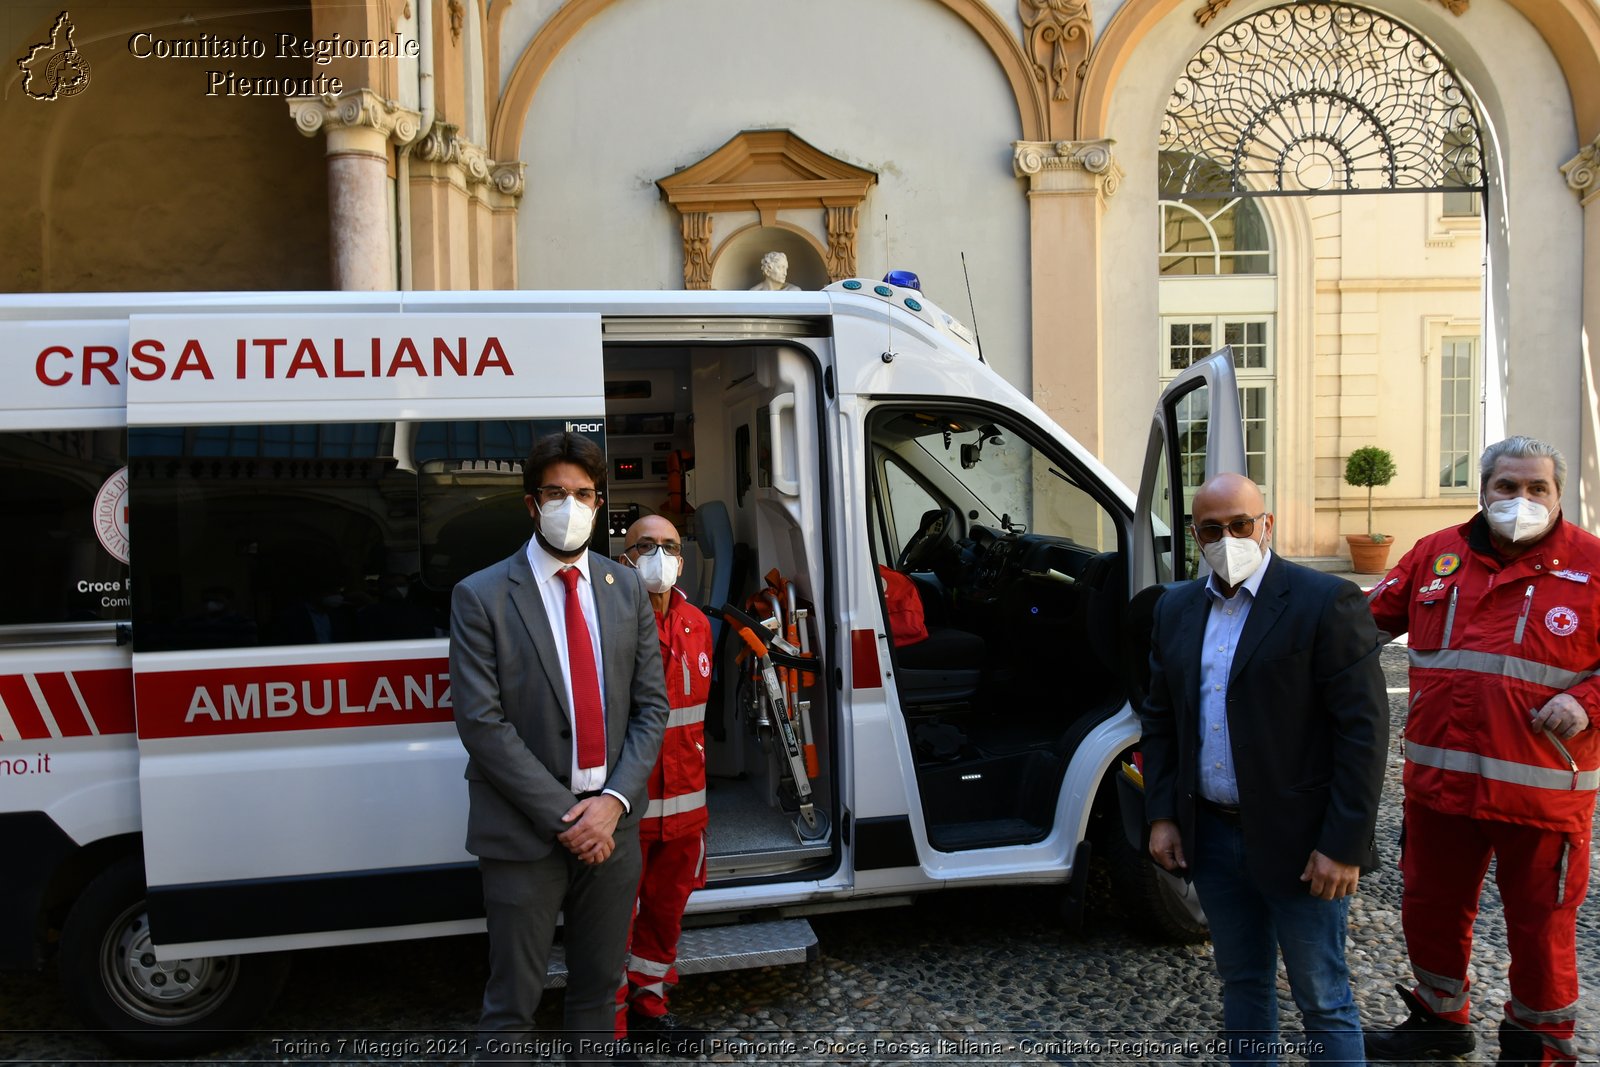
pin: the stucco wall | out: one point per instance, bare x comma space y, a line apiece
900, 87
142, 182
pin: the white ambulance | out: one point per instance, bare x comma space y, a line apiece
234, 521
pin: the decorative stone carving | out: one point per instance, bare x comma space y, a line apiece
358, 107
767, 171
1058, 41
444, 144
1068, 166
1456, 7
510, 178
1582, 172
696, 250
458, 15
1210, 10
840, 259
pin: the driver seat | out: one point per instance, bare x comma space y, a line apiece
946, 667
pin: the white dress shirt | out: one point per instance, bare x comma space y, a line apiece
1224, 624
553, 591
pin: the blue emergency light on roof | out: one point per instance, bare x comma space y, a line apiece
906, 279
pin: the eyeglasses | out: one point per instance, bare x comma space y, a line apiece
650, 548
1211, 532
555, 494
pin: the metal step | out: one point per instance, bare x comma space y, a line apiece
734, 947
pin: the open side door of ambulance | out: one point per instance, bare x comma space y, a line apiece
1195, 433
299, 516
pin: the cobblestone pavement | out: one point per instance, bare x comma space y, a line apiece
989, 972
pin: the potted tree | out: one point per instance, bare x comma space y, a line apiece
1369, 466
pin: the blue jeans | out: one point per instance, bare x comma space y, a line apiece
1248, 928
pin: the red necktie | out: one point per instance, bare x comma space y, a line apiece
588, 717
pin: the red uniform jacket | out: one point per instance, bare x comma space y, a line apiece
1491, 642
678, 783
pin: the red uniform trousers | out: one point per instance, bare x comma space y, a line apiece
672, 870
1543, 876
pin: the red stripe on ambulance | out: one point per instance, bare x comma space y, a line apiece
63, 705
19, 704
79, 703
109, 696
299, 696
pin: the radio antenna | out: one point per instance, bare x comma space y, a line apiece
977, 338
888, 353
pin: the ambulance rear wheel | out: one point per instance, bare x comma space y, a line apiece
1161, 906
112, 980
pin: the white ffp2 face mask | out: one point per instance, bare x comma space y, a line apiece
566, 524
1232, 559
658, 570
1518, 519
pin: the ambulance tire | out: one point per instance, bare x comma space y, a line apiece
113, 983
1160, 906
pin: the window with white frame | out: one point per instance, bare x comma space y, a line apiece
1459, 412
1188, 339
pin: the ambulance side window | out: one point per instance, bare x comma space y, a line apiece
65, 530
469, 492
272, 535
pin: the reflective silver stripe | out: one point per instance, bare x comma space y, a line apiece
658, 809
686, 716
1522, 620
1440, 1005
1561, 879
1450, 617
1522, 670
1568, 1014
1454, 986
1499, 770
1377, 590
652, 968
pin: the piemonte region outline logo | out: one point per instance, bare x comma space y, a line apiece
55, 68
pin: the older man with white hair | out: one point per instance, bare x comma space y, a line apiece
1501, 761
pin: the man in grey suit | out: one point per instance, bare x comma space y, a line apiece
1265, 730
556, 673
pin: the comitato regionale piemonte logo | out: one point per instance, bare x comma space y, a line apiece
54, 69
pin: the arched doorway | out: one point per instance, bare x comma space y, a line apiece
1307, 100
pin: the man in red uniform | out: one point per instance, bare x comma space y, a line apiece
1500, 757
672, 833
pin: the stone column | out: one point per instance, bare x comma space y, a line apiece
360, 126
1068, 183
1582, 492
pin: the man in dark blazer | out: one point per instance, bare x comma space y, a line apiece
1265, 732
557, 682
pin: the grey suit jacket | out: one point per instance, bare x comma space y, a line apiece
1308, 720
511, 704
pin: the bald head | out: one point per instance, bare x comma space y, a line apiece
1233, 492
1227, 497
652, 528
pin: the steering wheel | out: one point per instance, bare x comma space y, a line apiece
938, 532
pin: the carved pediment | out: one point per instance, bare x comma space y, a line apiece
765, 170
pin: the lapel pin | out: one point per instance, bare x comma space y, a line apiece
610, 580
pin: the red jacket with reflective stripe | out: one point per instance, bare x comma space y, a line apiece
1492, 641
678, 783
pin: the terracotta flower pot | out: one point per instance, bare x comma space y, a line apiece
1368, 556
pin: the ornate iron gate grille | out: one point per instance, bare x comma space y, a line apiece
1318, 97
